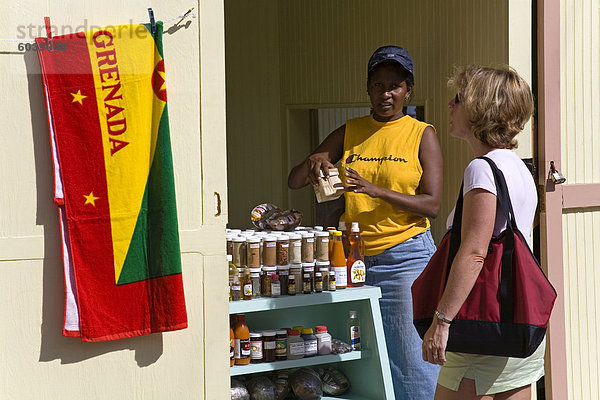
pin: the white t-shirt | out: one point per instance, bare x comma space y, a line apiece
521, 188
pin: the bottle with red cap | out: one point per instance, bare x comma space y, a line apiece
323, 340
357, 271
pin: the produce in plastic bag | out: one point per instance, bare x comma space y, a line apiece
261, 388
334, 382
261, 213
239, 391
282, 384
306, 384
339, 347
285, 220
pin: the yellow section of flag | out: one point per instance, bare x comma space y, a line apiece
123, 59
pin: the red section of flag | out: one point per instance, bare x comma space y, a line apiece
106, 311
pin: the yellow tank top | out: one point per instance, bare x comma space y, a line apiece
386, 154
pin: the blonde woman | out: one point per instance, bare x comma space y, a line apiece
490, 108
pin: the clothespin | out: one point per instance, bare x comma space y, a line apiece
152, 22
48, 27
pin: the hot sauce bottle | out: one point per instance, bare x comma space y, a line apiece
356, 260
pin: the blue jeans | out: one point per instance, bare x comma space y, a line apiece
394, 271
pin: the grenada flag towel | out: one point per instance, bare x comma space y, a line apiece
114, 186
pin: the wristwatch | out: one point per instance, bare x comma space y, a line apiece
442, 318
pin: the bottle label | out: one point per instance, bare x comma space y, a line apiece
275, 290
306, 287
297, 348
236, 287
331, 284
341, 276
310, 346
270, 244
310, 240
256, 349
280, 347
236, 350
354, 336
358, 271
292, 288
284, 245
248, 290
245, 348
319, 286
231, 349
297, 244
255, 245
270, 345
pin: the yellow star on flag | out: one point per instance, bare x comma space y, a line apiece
78, 97
90, 199
164, 80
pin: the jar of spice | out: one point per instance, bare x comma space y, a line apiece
310, 342
284, 272
253, 252
275, 286
268, 273
295, 249
283, 244
323, 340
239, 251
322, 244
308, 241
281, 345
256, 347
295, 345
318, 282
255, 278
291, 285
323, 268
296, 271
309, 268
270, 251
269, 345
306, 284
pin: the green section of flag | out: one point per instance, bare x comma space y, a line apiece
154, 250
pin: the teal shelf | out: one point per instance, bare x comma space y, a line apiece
302, 362
303, 300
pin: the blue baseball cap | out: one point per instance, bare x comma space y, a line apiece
392, 53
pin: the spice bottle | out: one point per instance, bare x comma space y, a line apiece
295, 345
296, 271
269, 345
242, 341
229, 247
356, 268
318, 282
283, 244
332, 287
338, 261
253, 251
239, 251
307, 284
323, 340
270, 251
308, 239
323, 268
255, 278
281, 345
232, 271
295, 249
309, 268
322, 242
236, 287
275, 286
291, 285
353, 329
246, 283
256, 347
284, 272
268, 273
310, 342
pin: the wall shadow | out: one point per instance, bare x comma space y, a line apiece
54, 346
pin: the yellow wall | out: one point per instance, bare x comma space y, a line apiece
36, 361
580, 119
313, 53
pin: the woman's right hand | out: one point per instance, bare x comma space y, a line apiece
316, 163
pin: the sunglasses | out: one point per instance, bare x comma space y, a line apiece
456, 99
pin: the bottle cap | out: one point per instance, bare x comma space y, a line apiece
255, 334
283, 267
322, 234
293, 332
355, 227
253, 239
342, 226
331, 228
235, 231
321, 328
296, 266
282, 332
229, 257
275, 277
322, 263
352, 314
307, 331
269, 238
254, 275
337, 233
308, 234
308, 265
294, 236
318, 228
269, 333
298, 328
283, 237
239, 239
267, 268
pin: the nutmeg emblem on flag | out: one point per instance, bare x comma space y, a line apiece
107, 111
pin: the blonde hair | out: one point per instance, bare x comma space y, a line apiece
498, 102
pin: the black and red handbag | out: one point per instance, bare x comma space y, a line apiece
507, 311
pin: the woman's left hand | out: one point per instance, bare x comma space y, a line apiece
434, 343
357, 184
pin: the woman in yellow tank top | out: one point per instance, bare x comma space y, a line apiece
392, 171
